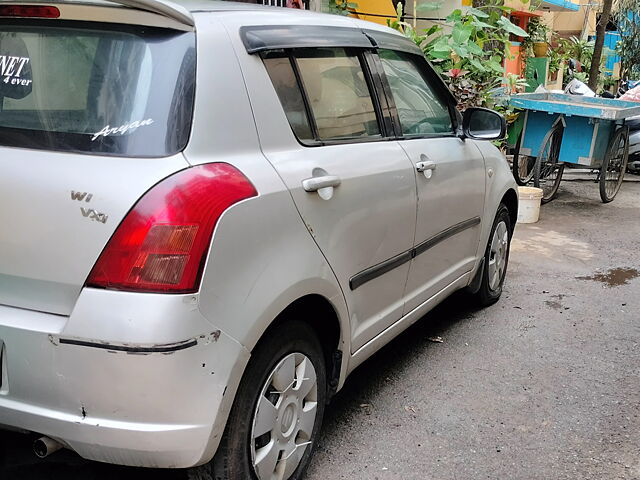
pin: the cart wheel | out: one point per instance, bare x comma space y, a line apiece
548, 170
523, 165
614, 165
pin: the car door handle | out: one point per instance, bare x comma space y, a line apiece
424, 166
314, 184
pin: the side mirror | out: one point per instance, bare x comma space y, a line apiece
483, 124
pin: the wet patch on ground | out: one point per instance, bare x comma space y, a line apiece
557, 304
614, 277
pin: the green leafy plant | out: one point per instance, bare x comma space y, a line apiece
341, 7
421, 39
581, 50
514, 83
582, 76
557, 55
609, 81
470, 52
538, 33
538, 30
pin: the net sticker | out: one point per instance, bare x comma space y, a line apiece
122, 129
11, 68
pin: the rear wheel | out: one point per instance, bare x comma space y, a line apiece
548, 170
278, 410
614, 165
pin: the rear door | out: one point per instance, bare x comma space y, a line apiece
350, 180
449, 175
91, 116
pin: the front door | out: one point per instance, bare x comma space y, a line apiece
449, 174
350, 180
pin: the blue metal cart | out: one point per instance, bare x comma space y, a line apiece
567, 130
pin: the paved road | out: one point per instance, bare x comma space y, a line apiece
543, 385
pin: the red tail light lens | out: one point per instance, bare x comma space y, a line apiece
162, 244
29, 11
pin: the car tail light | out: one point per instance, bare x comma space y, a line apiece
29, 11
162, 243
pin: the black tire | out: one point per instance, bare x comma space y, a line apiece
233, 460
488, 294
523, 166
614, 165
548, 170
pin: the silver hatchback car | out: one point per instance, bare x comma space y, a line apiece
212, 213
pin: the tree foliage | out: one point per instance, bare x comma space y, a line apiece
627, 18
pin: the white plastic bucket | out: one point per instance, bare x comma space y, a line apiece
529, 204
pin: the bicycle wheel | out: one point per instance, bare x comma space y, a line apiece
523, 165
614, 165
548, 170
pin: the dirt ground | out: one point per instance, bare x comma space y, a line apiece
543, 385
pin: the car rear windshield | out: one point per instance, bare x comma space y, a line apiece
96, 88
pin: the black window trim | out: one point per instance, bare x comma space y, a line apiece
374, 84
392, 111
434, 81
380, 93
262, 39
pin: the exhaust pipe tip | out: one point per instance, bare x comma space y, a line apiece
45, 446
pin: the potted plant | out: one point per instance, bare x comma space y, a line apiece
557, 56
538, 32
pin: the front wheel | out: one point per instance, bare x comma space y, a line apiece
496, 259
548, 169
278, 409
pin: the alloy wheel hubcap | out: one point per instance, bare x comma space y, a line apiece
284, 418
498, 255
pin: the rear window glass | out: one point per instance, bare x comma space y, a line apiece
325, 94
338, 94
95, 88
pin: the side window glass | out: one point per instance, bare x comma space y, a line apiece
338, 94
284, 80
420, 109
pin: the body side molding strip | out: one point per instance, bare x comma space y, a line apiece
380, 269
375, 271
443, 235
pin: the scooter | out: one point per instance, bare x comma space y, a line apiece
633, 166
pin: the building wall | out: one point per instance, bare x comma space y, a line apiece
435, 16
577, 23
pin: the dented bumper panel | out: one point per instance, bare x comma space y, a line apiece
148, 402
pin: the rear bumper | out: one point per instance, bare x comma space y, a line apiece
156, 400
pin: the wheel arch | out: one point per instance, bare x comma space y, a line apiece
322, 316
510, 200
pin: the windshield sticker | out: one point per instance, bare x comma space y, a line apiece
11, 68
122, 129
